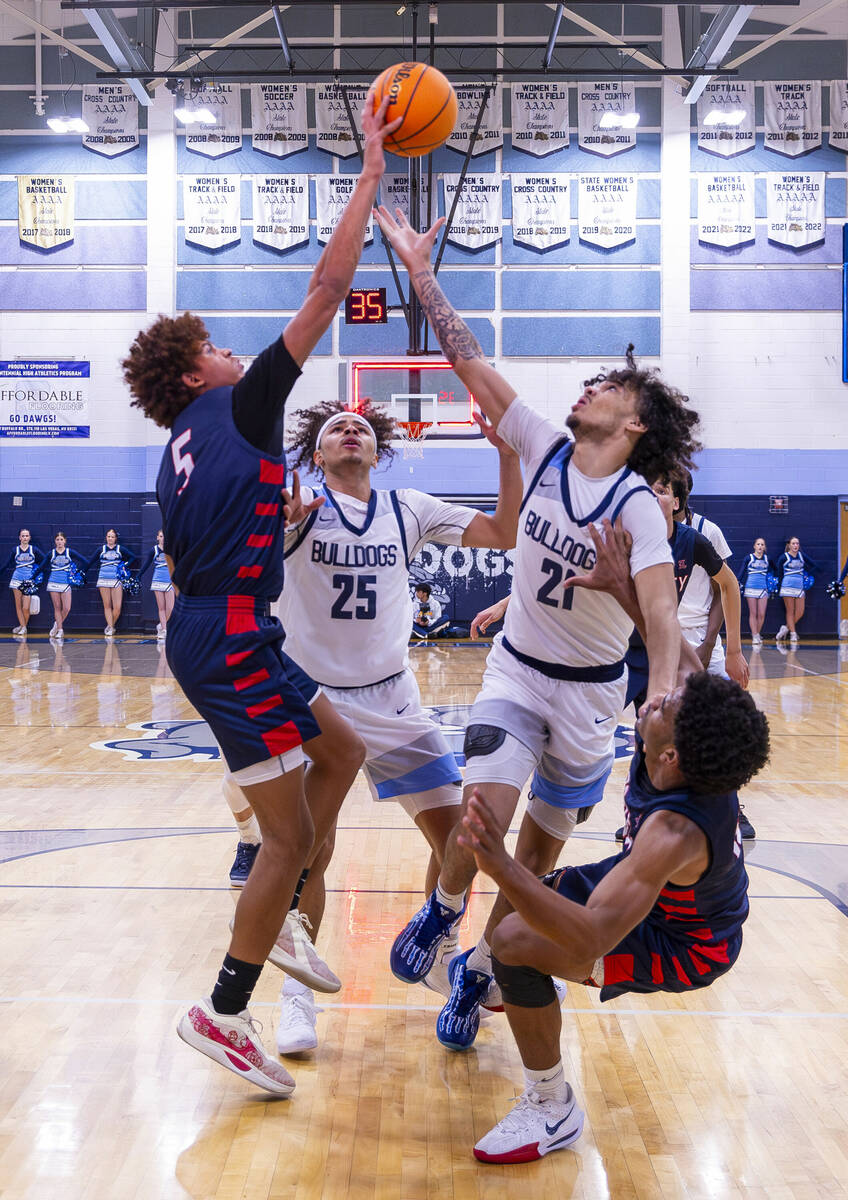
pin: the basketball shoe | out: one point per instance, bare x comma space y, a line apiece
232, 1041
746, 829
533, 1128
294, 953
436, 978
781, 633
414, 949
296, 1030
459, 1020
245, 857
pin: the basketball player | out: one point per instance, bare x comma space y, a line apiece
555, 678
700, 610
219, 492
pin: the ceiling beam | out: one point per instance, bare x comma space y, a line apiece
53, 37
783, 33
474, 75
120, 49
186, 68
281, 33
715, 44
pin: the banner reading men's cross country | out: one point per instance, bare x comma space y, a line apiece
477, 220
606, 209
332, 124
332, 193
43, 398
278, 118
394, 193
726, 209
724, 98
541, 210
490, 133
792, 116
281, 210
593, 101
111, 113
212, 210
214, 141
795, 208
46, 210
539, 117
839, 114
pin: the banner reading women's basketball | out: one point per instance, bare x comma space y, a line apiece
594, 100
281, 210
541, 210
278, 118
111, 112
394, 193
214, 141
539, 117
332, 124
46, 210
839, 114
726, 215
795, 208
490, 133
332, 193
792, 116
477, 220
212, 210
606, 209
720, 100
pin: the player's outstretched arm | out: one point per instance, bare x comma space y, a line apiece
495, 612
731, 605
498, 530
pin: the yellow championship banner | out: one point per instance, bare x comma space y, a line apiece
46, 210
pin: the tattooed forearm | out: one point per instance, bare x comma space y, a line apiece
455, 338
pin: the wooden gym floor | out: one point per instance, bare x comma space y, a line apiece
114, 905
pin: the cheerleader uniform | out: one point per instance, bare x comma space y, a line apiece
24, 564
161, 581
109, 559
60, 568
754, 577
792, 569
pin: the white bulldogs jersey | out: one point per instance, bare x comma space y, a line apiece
698, 598
346, 606
546, 622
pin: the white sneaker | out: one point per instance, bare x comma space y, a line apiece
296, 1031
159, 627
232, 1041
436, 978
493, 1000
18, 629
756, 641
781, 633
161, 635
60, 633
109, 631
534, 1128
793, 639
294, 953
54, 630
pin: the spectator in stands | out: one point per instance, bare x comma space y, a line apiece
427, 619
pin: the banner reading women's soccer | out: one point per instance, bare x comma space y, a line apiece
44, 398
332, 193
490, 133
278, 118
333, 130
539, 117
839, 114
792, 116
111, 112
726, 215
541, 210
594, 101
724, 99
795, 208
46, 210
214, 141
477, 220
606, 209
212, 210
281, 210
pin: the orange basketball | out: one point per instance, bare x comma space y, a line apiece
426, 101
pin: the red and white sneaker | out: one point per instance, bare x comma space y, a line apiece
232, 1041
294, 953
534, 1128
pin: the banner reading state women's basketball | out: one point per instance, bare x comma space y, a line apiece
594, 101
111, 112
541, 210
490, 133
795, 208
477, 220
278, 118
214, 141
44, 398
839, 114
539, 117
46, 210
394, 193
333, 131
792, 116
281, 210
721, 102
726, 209
606, 209
332, 193
212, 210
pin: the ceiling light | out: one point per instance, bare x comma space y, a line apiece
195, 116
401, 10
614, 120
727, 116
67, 124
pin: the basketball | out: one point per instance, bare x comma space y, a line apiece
426, 101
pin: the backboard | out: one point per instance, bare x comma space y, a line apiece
416, 389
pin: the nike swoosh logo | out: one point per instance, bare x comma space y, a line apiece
227, 969
546, 485
401, 710
551, 1129
600, 720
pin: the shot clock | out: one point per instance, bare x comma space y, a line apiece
366, 306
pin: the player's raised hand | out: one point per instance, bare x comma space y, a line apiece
295, 508
482, 835
488, 431
488, 617
412, 248
375, 131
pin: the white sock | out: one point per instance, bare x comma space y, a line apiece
449, 901
550, 1084
249, 831
480, 958
293, 987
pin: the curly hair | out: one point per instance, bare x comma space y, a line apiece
669, 443
721, 737
157, 360
301, 441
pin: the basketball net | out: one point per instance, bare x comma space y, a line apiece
412, 434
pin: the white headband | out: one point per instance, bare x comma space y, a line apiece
346, 416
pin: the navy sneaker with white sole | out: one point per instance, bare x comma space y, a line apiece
415, 948
459, 1020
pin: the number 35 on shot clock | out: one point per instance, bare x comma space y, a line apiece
366, 306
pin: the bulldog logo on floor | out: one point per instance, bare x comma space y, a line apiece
190, 741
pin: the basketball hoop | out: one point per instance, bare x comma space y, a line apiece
412, 434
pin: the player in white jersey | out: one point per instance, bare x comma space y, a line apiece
700, 612
555, 678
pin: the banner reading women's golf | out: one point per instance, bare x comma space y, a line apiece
44, 398
278, 118
111, 112
332, 193
46, 210
726, 209
539, 117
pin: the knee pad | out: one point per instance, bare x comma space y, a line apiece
524, 987
482, 739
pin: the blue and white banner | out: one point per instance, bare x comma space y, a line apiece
792, 116
490, 133
839, 114
281, 210
610, 99
333, 131
332, 193
278, 118
795, 208
726, 117
606, 209
46, 210
539, 117
212, 210
726, 209
477, 219
111, 112
214, 141
541, 210
43, 398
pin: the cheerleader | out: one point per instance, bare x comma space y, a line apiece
24, 560
62, 559
108, 558
795, 571
753, 579
160, 584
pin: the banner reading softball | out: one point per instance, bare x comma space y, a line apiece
332, 193
332, 124
490, 133
278, 118
111, 113
214, 141
46, 210
541, 210
394, 193
792, 116
43, 398
477, 220
795, 208
212, 210
839, 114
720, 101
281, 210
539, 117
594, 101
606, 209
726, 209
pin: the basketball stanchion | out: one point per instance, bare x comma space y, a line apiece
412, 434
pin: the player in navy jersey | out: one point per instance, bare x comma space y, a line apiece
665, 914
219, 489
24, 560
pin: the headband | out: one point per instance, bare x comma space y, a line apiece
348, 416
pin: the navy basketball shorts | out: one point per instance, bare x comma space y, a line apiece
647, 959
226, 654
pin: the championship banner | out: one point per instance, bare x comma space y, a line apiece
593, 101
490, 133
46, 210
795, 208
332, 193
606, 209
539, 117
212, 210
394, 193
839, 114
477, 220
281, 210
44, 398
541, 210
718, 99
278, 118
332, 125
726, 215
111, 113
792, 116
213, 141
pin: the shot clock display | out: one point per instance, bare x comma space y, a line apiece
366, 306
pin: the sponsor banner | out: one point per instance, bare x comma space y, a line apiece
726, 209
333, 131
792, 116
46, 210
593, 101
44, 398
795, 208
394, 193
212, 210
332, 193
111, 113
278, 118
606, 209
281, 210
490, 133
214, 141
723, 96
541, 210
477, 220
839, 114
539, 117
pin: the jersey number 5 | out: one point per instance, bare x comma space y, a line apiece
182, 462
554, 571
